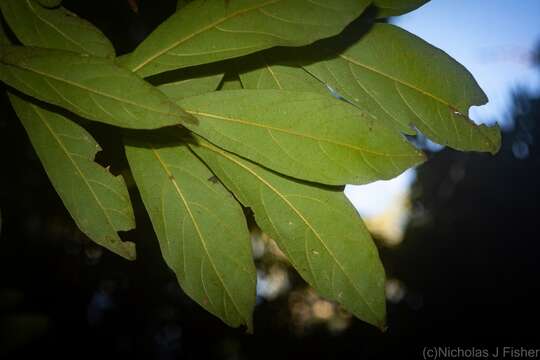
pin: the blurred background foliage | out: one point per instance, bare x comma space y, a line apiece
460, 250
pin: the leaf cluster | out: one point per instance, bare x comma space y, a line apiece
283, 101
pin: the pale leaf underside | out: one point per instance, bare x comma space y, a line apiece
208, 31
98, 201
302, 134
89, 86
307, 222
180, 89
201, 229
266, 72
407, 83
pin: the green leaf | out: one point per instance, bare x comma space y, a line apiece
304, 135
89, 86
402, 80
190, 81
231, 81
191, 86
388, 8
316, 227
50, 3
98, 201
57, 28
266, 71
4, 40
207, 31
200, 226
181, 3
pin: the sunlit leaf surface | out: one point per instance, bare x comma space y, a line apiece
403, 81
200, 226
317, 228
89, 86
97, 201
206, 31
266, 72
302, 134
178, 90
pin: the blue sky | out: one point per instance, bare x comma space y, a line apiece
494, 39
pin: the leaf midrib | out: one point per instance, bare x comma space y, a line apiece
271, 73
81, 174
267, 127
196, 225
397, 80
203, 29
415, 88
297, 212
90, 90
32, 9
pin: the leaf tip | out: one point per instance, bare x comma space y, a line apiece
379, 321
185, 117
249, 326
494, 139
491, 139
127, 250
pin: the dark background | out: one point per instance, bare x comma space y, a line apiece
469, 259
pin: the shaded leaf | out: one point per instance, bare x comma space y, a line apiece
181, 3
57, 28
304, 135
97, 201
50, 3
191, 81
316, 227
92, 87
402, 80
388, 8
268, 72
200, 226
4, 40
190, 87
207, 31
231, 82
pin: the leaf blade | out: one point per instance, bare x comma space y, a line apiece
180, 89
235, 29
197, 220
4, 40
231, 81
302, 134
388, 8
268, 72
89, 86
50, 3
402, 80
98, 201
55, 28
308, 223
